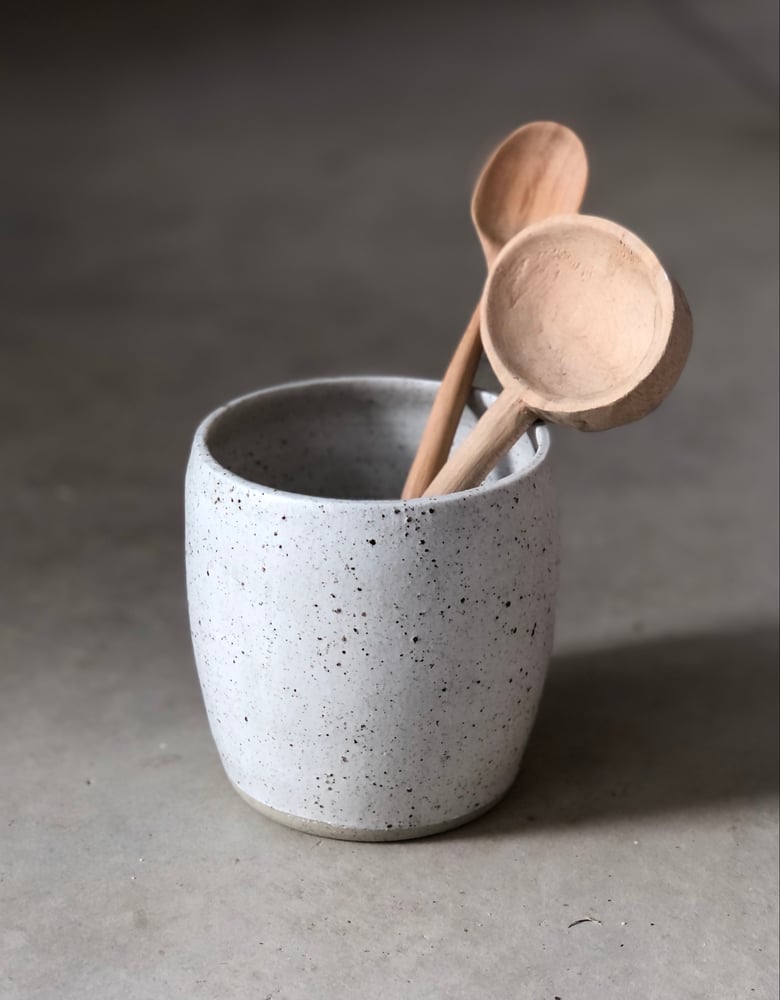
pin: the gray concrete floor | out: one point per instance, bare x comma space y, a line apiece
192, 212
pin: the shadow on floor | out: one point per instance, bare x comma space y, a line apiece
671, 725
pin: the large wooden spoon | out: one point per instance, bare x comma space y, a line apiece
583, 327
538, 171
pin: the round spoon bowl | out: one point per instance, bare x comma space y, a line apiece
540, 170
583, 327
577, 318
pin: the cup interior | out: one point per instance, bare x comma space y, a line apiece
351, 439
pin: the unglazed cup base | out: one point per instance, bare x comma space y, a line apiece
319, 829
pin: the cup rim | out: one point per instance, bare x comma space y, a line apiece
201, 449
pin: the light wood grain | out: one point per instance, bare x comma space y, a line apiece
537, 171
446, 411
583, 327
498, 429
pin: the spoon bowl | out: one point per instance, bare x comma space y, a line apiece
583, 327
539, 170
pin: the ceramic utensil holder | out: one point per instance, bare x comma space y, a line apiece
371, 668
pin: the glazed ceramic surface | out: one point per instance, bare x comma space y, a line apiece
371, 668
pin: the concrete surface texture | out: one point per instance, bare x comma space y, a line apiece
197, 204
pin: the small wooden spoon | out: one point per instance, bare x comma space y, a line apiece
537, 171
583, 327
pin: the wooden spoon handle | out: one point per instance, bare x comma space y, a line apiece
443, 420
497, 430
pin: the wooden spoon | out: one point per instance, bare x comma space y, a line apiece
537, 171
583, 327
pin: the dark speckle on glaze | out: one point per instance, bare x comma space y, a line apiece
355, 670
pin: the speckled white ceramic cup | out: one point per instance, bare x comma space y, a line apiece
371, 668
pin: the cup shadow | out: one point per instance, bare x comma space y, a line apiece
665, 726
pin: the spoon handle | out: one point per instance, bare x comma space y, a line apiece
443, 420
497, 430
